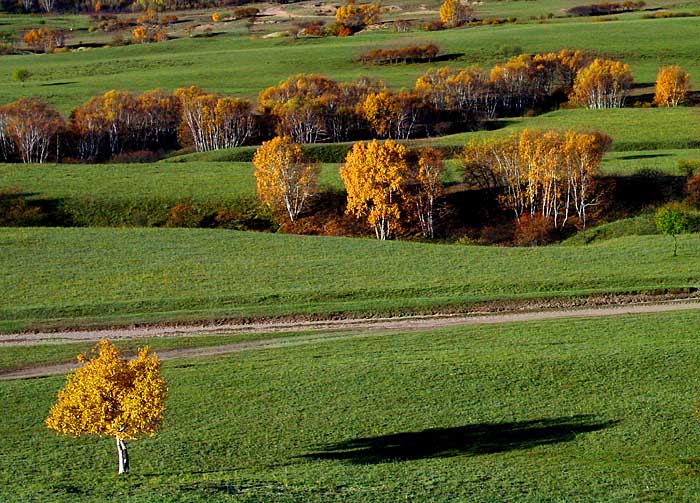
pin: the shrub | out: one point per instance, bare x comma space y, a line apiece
410, 54
533, 230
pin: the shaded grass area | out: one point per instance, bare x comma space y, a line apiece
74, 276
569, 410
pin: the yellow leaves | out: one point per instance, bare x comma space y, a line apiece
283, 178
672, 83
216, 17
140, 34
357, 16
374, 175
602, 84
110, 396
547, 173
453, 13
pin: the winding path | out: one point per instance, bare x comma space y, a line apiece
320, 331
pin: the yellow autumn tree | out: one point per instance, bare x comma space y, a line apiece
454, 13
283, 178
374, 175
112, 396
356, 16
672, 84
602, 84
427, 187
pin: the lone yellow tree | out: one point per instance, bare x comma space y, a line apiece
672, 84
374, 175
111, 396
283, 178
453, 13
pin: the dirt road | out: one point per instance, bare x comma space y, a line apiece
320, 331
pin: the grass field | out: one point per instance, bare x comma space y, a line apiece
237, 65
587, 410
72, 276
630, 128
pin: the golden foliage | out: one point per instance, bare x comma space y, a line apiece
110, 396
427, 188
357, 16
216, 17
546, 173
454, 13
44, 39
29, 127
213, 122
672, 83
374, 175
140, 34
283, 178
451, 89
392, 115
602, 84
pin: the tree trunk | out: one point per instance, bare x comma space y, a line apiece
123, 456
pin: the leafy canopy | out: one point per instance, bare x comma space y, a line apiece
111, 396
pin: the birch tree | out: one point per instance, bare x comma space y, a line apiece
111, 396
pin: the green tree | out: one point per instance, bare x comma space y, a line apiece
672, 221
21, 75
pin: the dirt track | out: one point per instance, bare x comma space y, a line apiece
322, 331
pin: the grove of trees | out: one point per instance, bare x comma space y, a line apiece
550, 174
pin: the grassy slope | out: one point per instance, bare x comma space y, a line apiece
156, 274
587, 410
237, 65
630, 128
199, 181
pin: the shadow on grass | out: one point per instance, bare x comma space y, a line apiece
467, 440
641, 156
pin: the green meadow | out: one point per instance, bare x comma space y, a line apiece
586, 410
74, 276
237, 65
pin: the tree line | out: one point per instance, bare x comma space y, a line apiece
313, 108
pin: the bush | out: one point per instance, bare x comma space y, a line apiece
410, 54
533, 230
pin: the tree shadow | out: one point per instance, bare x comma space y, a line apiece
50, 84
447, 57
641, 156
470, 440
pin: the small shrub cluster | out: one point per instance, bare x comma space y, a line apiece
605, 8
410, 54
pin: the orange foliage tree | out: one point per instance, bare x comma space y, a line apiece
602, 84
454, 13
45, 39
672, 83
30, 128
374, 175
110, 396
283, 178
550, 174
